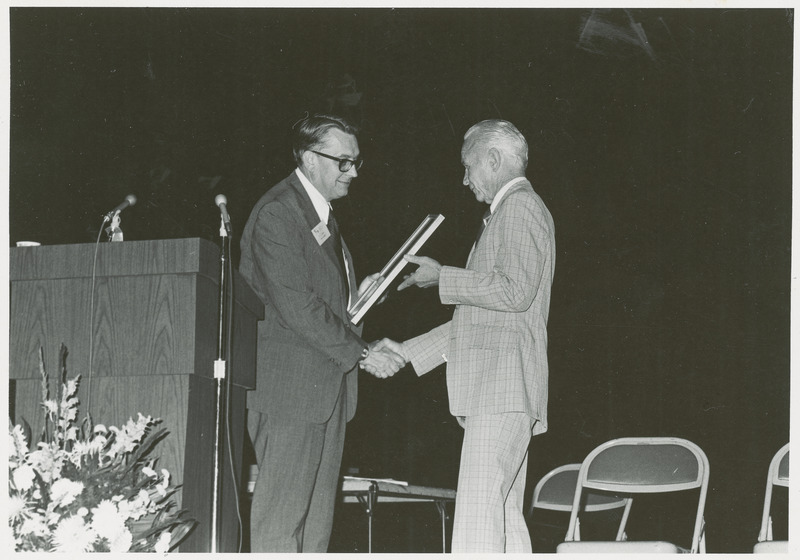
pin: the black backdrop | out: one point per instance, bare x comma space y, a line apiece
659, 138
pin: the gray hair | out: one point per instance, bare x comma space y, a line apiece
496, 133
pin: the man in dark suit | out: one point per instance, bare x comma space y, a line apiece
293, 257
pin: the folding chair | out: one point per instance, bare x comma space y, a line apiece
778, 475
644, 465
555, 491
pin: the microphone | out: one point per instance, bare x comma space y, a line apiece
221, 201
130, 200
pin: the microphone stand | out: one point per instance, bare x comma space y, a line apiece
220, 375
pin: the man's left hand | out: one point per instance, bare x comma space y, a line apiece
371, 283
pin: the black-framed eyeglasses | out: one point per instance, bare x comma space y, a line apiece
344, 163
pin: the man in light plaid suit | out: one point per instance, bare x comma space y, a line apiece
495, 345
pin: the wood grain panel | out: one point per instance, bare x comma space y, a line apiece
145, 325
150, 322
131, 258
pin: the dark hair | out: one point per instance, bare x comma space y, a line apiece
310, 130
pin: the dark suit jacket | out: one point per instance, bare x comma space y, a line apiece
306, 344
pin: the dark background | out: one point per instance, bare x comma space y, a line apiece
660, 139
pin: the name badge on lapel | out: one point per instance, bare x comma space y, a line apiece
321, 233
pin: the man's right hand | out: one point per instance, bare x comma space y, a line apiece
426, 275
382, 361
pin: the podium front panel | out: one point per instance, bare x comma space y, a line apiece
147, 314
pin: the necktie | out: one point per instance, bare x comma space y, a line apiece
336, 239
484, 221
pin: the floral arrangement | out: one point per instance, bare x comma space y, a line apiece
89, 488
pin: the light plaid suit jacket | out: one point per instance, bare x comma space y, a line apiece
496, 343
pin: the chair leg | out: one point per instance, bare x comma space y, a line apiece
769, 529
621, 536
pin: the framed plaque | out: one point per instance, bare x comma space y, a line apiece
394, 266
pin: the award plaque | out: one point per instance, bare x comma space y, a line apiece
394, 266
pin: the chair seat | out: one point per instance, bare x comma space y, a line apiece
767, 547
578, 547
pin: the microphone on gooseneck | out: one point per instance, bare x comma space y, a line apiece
221, 201
130, 200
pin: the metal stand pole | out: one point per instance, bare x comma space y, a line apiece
373, 497
368, 502
442, 507
220, 374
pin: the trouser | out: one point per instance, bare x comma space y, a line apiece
491, 484
298, 477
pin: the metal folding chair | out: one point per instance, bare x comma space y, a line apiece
644, 465
555, 491
778, 475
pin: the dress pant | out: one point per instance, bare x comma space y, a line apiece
491, 484
298, 477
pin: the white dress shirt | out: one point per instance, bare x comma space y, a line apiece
323, 208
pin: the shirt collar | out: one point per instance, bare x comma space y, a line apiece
321, 205
502, 192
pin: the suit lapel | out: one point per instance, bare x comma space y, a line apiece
312, 220
519, 186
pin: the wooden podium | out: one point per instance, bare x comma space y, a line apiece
148, 311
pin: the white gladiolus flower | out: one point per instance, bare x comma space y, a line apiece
50, 406
46, 462
72, 434
69, 414
83, 449
148, 472
163, 486
129, 436
19, 442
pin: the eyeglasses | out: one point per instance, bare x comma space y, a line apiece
344, 163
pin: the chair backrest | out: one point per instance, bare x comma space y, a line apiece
637, 465
555, 491
778, 475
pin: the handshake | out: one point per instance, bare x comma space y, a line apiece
384, 358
